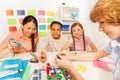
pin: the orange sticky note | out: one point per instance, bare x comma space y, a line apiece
48, 27
9, 12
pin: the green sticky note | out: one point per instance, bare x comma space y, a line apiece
12, 21
26, 73
31, 12
49, 20
42, 33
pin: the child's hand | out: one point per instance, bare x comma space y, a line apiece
63, 63
65, 55
12, 44
43, 57
64, 52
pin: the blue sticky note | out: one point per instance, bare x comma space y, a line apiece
20, 12
42, 27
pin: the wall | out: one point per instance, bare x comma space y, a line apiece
84, 5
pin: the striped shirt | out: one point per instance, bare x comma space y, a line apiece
113, 48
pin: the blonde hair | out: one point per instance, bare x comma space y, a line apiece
106, 11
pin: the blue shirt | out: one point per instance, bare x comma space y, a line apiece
113, 48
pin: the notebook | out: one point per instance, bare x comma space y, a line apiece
12, 69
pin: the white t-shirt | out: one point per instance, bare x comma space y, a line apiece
53, 45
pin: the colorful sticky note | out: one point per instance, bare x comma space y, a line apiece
31, 12
9, 12
12, 21
12, 28
50, 13
42, 27
20, 12
41, 20
42, 33
48, 26
20, 20
41, 12
49, 20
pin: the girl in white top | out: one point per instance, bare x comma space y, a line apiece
54, 41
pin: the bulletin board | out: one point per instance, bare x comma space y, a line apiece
44, 18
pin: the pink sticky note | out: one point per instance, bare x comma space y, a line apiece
20, 20
103, 64
41, 12
41, 20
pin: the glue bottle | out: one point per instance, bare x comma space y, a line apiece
35, 75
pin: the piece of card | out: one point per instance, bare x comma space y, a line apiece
103, 64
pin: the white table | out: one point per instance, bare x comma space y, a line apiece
92, 73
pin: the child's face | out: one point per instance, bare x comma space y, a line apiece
77, 32
29, 29
56, 31
111, 31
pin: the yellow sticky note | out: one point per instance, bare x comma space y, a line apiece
50, 13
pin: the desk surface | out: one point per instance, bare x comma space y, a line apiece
91, 73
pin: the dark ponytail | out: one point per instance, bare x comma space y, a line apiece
32, 43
